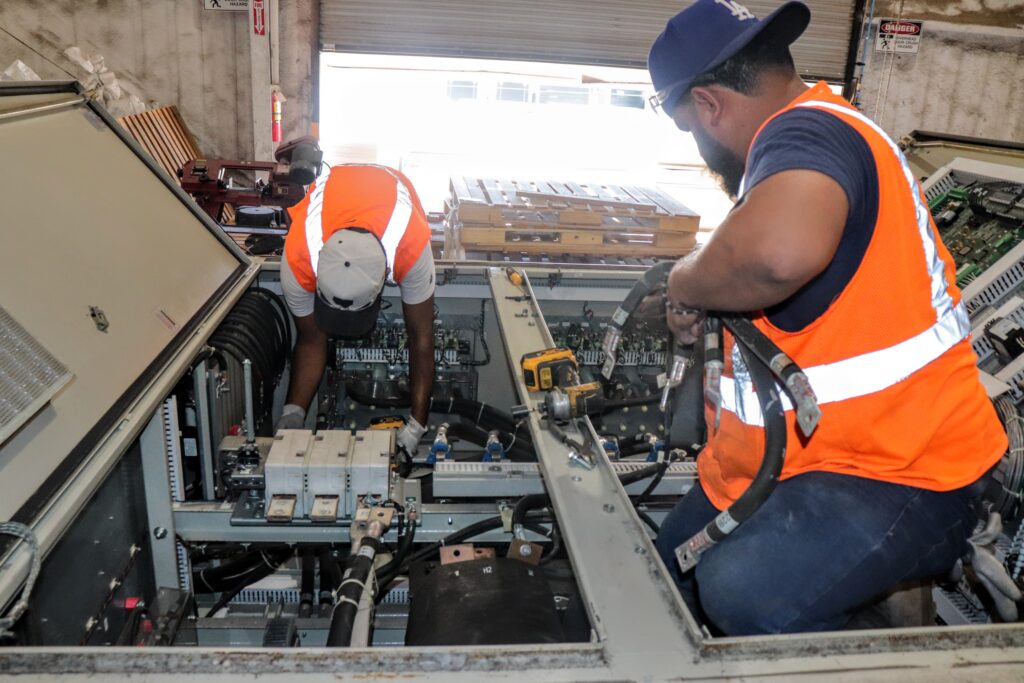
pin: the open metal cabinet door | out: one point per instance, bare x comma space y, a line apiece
107, 272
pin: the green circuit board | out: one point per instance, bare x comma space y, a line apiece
979, 223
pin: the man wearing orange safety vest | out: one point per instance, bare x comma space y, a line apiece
358, 227
832, 248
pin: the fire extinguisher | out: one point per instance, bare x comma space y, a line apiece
275, 116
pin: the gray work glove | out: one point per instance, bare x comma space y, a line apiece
409, 436
991, 572
292, 417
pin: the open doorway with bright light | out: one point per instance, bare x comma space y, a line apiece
434, 118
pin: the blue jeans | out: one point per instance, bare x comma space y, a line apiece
821, 546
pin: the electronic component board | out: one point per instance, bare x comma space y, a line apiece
979, 223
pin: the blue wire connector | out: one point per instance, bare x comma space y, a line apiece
440, 448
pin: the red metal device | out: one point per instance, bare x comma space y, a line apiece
216, 182
211, 183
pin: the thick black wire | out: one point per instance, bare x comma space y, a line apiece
384, 583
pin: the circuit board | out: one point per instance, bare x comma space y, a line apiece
638, 347
979, 223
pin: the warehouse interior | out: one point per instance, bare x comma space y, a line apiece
475, 484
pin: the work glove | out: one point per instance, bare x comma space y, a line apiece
292, 417
991, 572
409, 436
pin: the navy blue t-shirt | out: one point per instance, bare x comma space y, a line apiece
819, 141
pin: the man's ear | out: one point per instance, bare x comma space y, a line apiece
707, 102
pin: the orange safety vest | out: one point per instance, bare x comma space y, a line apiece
376, 198
890, 359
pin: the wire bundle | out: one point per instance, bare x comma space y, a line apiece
257, 329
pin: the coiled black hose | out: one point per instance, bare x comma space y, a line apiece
257, 329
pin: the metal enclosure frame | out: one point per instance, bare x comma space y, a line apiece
57, 502
642, 629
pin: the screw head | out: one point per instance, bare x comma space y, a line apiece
525, 550
577, 477
160, 532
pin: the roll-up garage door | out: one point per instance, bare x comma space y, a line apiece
612, 32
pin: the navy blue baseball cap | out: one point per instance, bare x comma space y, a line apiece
707, 33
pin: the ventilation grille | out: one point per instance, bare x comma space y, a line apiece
264, 596
982, 346
999, 289
946, 184
29, 375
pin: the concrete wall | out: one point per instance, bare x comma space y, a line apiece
168, 52
967, 77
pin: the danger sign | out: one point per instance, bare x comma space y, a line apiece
898, 35
227, 5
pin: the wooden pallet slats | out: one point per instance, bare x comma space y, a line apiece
541, 216
163, 134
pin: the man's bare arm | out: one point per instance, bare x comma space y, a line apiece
783, 234
308, 361
419, 324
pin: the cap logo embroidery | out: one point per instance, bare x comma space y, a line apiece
738, 10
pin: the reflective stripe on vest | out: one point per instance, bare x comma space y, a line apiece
874, 371
314, 227
393, 233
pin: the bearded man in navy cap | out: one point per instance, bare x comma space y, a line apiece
832, 251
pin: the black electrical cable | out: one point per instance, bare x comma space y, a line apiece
404, 468
627, 478
531, 501
659, 475
225, 597
328, 569
646, 519
307, 585
554, 534
401, 552
767, 475
269, 563
775, 443
384, 582
247, 564
278, 303
350, 592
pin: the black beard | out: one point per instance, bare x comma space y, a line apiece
725, 167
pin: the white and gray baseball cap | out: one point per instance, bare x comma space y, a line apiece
349, 283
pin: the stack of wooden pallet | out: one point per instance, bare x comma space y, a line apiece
163, 133
550, 217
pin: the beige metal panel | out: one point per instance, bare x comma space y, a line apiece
616, 32
87, 223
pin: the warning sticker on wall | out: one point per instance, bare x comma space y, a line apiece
237, 5
898, 35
